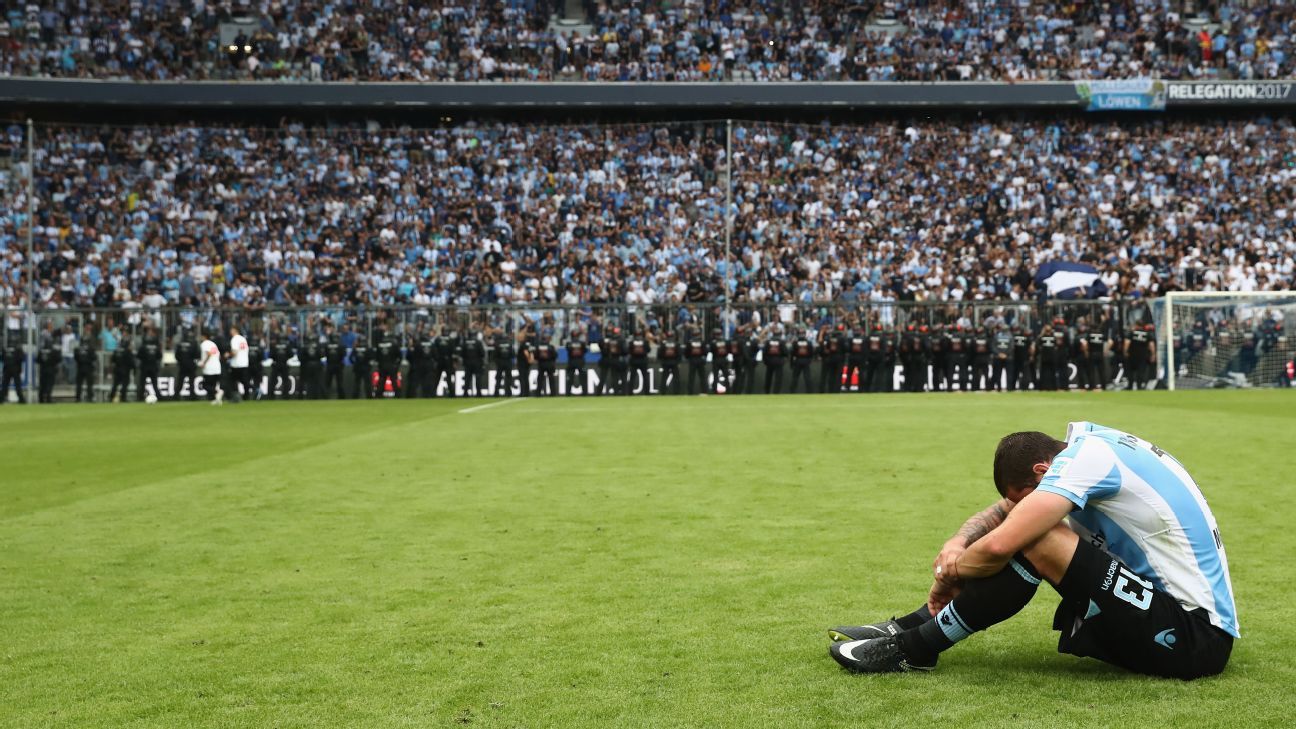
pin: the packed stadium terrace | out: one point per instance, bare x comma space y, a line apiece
647, 40
499, 213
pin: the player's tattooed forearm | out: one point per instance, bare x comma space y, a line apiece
982, 523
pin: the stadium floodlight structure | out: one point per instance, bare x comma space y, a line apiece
1226, 338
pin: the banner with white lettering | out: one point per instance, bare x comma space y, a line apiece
1230, 93
1136, 94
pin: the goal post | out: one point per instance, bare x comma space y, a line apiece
1226, 338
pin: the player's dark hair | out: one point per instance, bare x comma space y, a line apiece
1017, 455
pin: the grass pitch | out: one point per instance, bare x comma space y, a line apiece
587, 562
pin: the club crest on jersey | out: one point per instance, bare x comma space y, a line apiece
1059, 465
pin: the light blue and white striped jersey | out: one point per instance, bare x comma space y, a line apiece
1137, 502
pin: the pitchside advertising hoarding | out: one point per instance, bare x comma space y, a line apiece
1158, 95
168, 383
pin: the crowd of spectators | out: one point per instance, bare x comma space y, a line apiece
943, 209
641, 40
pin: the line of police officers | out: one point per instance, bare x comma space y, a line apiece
769, 359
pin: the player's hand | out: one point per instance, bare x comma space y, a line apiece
943, 568
939, 596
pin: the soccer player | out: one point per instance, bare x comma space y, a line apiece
1139, 564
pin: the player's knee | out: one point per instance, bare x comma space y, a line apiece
1051, 554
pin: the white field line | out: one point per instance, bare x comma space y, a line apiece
478, 408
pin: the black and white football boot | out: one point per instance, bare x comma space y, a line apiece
862, 632
875, 655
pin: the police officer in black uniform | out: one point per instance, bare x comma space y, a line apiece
123, 363
87, 361
473, 354
526, 358
750, 347
310, 380
1001, 351
280, 352
546, 360
1062, 353
150, 362
923, 356
255, 368
1046, 347
802, 350
502, 355
961, 344
774, 354
940, 344
48, 358
447, 348
668, 358
576, 351
958, 364
904, 355
334, 364
980, 359
13, 365
719, 347
186, 354
832, 356
890, 352
875, 360
913, 358
1138, 350
638, 380
1096, 358
695, 351
1021, 371
733, 362
361, 368
857, 357
388, 354
419, 362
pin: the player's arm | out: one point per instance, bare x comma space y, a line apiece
977, 526
1032, 518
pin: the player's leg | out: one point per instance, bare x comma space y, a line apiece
882, 628
980, 604
1112, 613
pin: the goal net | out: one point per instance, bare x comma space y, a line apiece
1227, 338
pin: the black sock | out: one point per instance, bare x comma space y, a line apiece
982, 603
915, 618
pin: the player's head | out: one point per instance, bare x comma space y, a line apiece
1021, 460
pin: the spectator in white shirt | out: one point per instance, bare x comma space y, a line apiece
210, 366
238, 361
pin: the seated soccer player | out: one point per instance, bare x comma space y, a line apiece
1138, 562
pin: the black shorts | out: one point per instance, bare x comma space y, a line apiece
1111, 613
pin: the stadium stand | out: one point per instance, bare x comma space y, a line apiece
647, 40
945, 209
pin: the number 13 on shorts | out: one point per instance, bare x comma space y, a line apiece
1132, 589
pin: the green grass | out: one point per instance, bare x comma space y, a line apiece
588, 562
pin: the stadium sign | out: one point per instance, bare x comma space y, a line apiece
1140, 94
1230, 92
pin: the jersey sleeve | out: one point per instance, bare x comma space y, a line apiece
1086, 470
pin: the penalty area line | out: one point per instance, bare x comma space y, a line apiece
478, 408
